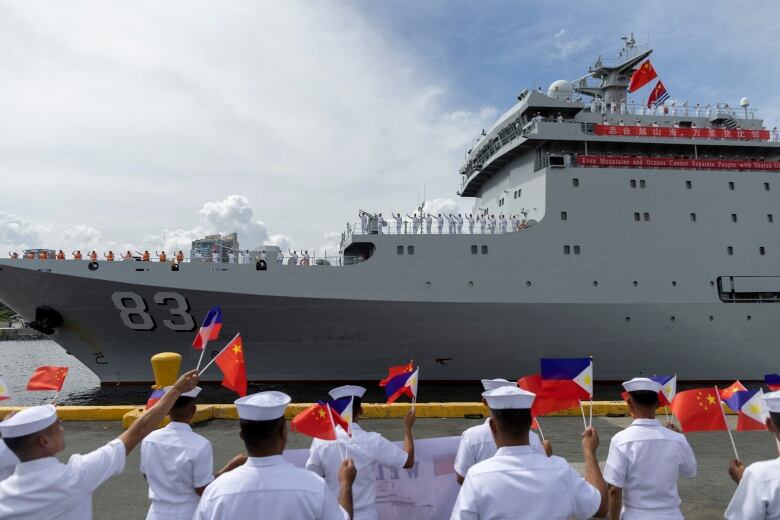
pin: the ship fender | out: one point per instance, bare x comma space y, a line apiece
174, 266
46, 320
304, 262
93, 266
261, 265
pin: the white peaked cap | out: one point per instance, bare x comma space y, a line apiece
192, 393
262, 406
492, 384
347, 391
642, 383
772, 400
28, 421
509, 398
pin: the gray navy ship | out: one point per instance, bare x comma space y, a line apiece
644, 237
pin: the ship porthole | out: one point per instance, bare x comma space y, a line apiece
427, 284
92, 266
749, 317
674, 284
471, 284
628, 318
672, 318
712, 284
711, 318
528, 284
635, 283
595, 283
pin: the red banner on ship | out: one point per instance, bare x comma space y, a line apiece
686, 133
669, 162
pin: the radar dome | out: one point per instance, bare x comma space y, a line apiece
560, 89
744, 102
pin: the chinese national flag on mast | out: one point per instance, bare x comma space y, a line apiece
699, 410
642, 76
47, 378
231, 362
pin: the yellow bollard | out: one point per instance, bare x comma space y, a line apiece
166, 369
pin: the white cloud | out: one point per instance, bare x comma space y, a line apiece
443, 206
17, 234
137, 113
282, 241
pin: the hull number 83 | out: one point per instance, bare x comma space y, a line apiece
134, 311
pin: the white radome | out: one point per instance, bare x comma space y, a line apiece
744, 102
560, 89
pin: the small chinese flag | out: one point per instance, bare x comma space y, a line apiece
642, 76
231, 362
318, 421
699, 410
47, 378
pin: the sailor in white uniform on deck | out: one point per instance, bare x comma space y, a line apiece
428, 223
267, 486
459, 219
470, 220
398, 221
481, 219
363, 222
477, 443
415, 223
42, 487
367, 450
646, 459
440, 223
518, 482
502, 220
451, 224
758, 494
7, 461
178, 463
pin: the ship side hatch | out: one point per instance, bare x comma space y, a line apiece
358, 252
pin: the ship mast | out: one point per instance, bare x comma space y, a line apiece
613, 80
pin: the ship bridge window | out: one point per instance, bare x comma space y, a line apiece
646, 216
637, 217
733, 217
474, 250
766, 186
409, 250
761, 250
731, 185
484, 250
399, 250
564, 215
566, 250
633, 183
575, 182
730, 250
693, 217
688, 185
641, 183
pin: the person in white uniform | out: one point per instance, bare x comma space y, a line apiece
415, 223
267, 486
482, 222
758, 494
470, 220
367, 449
398, 221
428, 223
460, 223
363, 222
42, 487
646, 459
440, 223
178, 463
477, 443
7, 461
517, 482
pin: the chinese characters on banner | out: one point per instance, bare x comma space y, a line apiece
687, 133
669, 162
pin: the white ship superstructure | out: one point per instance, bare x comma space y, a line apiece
647, 238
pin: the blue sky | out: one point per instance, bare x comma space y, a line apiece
157, 123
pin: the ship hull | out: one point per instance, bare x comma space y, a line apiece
327, 339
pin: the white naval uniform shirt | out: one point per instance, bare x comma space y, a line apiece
269, 487
175, 461
47, 489
645, 460
7, 461
367, 449
519, 483
758, 494
477, 444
